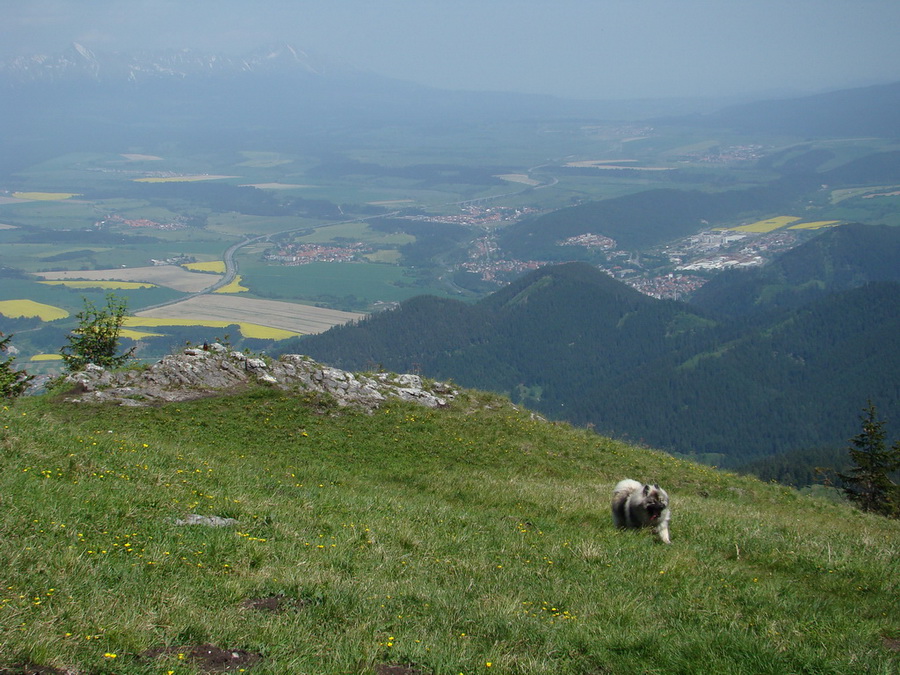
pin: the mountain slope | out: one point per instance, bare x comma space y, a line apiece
577, 345
793, 383
410, 540
863, 111
555, 328
673, 213
839, 259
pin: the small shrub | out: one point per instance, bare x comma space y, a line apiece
96, 339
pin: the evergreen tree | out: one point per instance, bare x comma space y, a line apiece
12, 382
96, 339
869, 482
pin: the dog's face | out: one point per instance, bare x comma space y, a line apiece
655, 501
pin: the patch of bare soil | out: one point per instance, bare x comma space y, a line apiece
208, 658
273, 603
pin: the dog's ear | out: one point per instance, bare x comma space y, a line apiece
656, 485
646, 489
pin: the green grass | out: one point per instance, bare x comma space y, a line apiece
446, 540
330, 282
357, 231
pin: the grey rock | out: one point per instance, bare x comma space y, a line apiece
208, 521
198, 373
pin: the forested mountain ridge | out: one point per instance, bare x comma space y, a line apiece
861, 111
839, 259
575, 344
676, 213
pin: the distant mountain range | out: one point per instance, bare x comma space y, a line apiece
81, 100
281, 97
78, 63
803, 345
862, 111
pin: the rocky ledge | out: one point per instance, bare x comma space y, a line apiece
214, 370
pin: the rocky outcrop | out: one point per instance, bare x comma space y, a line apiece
197, 373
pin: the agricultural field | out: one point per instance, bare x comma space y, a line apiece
170, 276
106, 285
71, 299
764, 226
354, 231
234, 287
29, 308
214, 266
814, 225
348, 286
284, 316
179, 179
94, 222
44, 196
237, 225
880, 206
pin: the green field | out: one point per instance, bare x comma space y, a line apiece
357, 231
349, 286
72, 298
469, 540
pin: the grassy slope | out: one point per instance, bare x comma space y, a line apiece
473, 540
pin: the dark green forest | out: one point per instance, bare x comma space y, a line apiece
678, 213
767, 378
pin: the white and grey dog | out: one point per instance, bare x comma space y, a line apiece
637, 505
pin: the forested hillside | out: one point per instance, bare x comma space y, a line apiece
653, 217
839, 259
673, 213
865, 111
575, 344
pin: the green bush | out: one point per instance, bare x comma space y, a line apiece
96, 339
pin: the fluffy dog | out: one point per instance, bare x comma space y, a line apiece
637, 505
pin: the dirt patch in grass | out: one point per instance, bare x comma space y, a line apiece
31, 669
208, 658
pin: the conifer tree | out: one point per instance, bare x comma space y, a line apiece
13, 382
869, 483
96, 339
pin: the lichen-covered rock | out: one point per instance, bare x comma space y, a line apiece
196, 373
208, 521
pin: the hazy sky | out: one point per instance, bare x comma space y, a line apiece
576, 48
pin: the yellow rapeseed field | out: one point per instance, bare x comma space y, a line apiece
111, 285
763, 226
254, 330
217, 266
233, 287
45, 196
814, 225
46, 357
179, 179
137, 334
30, 308
248, 330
